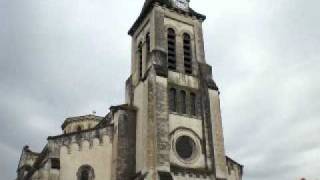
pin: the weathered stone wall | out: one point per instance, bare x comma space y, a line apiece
217, 133
124, 143
141, 102
235, 170
26, 162
181, 79
96, 153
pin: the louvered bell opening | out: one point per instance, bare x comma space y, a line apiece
171, 50
187, 54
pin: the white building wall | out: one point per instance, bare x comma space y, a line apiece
98, 156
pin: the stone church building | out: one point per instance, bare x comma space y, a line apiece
170, 126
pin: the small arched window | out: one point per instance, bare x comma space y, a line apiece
140, 59
171, 49
187, 52
193, 101
79, 128
148, 42
183, 102
84, 175
55, 163
173, 100
85, 172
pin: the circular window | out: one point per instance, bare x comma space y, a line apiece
185, 147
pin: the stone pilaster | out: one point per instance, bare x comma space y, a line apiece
199, 42
124, 143
217, 135
157, 28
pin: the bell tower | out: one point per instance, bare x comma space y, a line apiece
179, 128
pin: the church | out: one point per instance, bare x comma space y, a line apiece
169, 127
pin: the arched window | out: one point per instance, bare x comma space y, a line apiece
84, 175
187, 52
140, 59
173, 100
85, 172
79, 128
55, 163
148, 42
171, 49
183, 102
193, 101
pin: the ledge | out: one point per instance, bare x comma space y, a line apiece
75, 133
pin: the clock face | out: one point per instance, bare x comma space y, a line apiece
182, 4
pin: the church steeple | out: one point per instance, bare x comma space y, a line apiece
150, 43
179, 128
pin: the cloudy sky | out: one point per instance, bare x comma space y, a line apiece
60, 58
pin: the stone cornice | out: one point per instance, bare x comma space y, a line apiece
81, 118
77, 133
165, 3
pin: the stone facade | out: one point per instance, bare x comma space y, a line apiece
169, 128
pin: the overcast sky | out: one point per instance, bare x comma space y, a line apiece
60, 58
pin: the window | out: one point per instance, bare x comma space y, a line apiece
148, 42
140, 59
85, 172
171, 49
173, 100
185, 147
84, 175
193, 101
79, 128
55, 163
187, 53
183, 102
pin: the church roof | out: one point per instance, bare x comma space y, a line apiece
81, 118
147, 7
